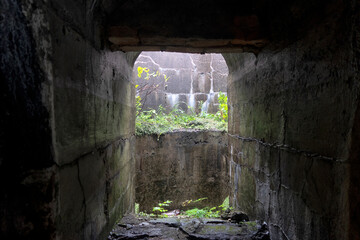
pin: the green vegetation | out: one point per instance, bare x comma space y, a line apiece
158, 122
251, 225
223, 108
207, 212
156, 211
153, 82
161, 207
142, 70
203, 213
136, 208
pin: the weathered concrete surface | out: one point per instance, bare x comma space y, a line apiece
211, 26
297, 98
27, 171
194, 80
292, 117
67, 148
131, 227
181, 166
93, 101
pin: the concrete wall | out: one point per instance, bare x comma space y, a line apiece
67, 112
93, 101
27, 164
181, 166
194, 80
291, 117
75, 140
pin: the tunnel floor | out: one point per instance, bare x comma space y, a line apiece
131, 227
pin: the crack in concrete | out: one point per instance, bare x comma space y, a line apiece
282, 231
82, 191
279, 177
96, 149
107, 190
290, 149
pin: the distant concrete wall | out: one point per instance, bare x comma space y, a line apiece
181, 166
192, 78
71, 174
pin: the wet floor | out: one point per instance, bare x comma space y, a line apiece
169, 228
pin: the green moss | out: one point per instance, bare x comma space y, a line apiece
220, 229
251, 225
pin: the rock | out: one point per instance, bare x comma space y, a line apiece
190, 226
214, 221
239, 217
186, 228
129, 219
144, 224
128, 236
262, 233
171, 222
226, 215
137, 232
127, 226
219, 231
172, 213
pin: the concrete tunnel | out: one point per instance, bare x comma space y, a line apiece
67, 110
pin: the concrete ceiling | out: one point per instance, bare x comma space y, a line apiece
185, 26
206, 25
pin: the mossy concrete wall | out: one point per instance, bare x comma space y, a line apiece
291, 117
93, 124
180, 166
76, 167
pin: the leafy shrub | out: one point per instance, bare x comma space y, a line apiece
203, 213
158, 122
223, 108
207, 212
161, 208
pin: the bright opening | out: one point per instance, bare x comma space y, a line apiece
180, 91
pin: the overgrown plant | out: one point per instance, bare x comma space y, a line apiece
159, 122
208, 212
223, 108
161, 208
151, 85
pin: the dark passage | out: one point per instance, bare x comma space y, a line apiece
67, 114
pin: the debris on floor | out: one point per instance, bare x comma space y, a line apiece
174, 228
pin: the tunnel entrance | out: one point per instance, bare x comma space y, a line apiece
181, 109
181, 151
